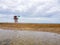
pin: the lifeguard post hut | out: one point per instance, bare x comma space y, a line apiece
16, 19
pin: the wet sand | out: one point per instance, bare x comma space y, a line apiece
18, 37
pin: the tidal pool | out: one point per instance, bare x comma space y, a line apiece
16, 37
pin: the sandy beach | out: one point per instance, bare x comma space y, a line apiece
29, 34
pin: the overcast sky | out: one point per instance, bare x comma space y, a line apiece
39, 11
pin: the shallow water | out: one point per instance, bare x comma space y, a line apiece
14, 37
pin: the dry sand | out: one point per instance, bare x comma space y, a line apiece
31, 27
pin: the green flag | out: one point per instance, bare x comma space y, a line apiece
18, 16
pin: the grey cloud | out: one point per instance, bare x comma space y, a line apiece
31, 10
8, 12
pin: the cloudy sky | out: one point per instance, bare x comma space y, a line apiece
35, 11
